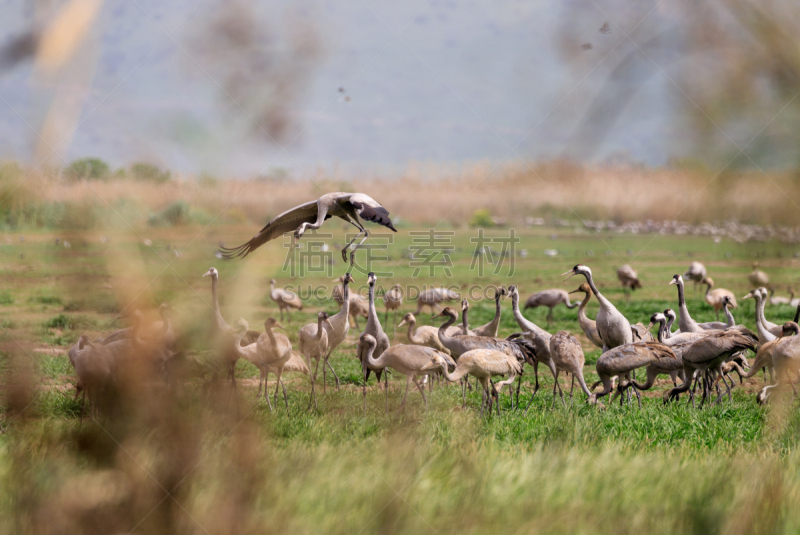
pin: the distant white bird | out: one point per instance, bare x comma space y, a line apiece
311, 215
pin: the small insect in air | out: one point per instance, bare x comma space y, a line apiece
605, 28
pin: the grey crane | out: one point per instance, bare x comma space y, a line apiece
685, 322
311, 215
785, 359
285, 299
520, 348
696, 273
94, 365
337, 326
715, 297
392, 299
588, 326
484, 364
223, 332
707, 354
358, 308
275, 350
432, 297
491, 328
567, 355
424, 335
408, 360
757, 277
622, 360
628, 277
313, 344
549, 298
614, 328
729, 322
766, 329
375, 330
538, 336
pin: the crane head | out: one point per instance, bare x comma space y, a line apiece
676, 279
582, 288
446, 312
789, 328
408, 318
579, 269
437, 361
371, 278
272, 323
212, 272
368, 340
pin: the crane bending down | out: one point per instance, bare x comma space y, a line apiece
311, 215
483, 364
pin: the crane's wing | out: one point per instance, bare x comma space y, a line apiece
368, 208
288, 221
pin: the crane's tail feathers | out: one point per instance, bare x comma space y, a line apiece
235, 252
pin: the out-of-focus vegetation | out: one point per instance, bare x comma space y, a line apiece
553, 190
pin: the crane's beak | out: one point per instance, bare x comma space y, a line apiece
650, 325
575, 291
326, 320
401, 324
279, 326
570, 273
748, 296
439, 315
429, 366
672, 281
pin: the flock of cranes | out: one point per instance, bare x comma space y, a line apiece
696, 354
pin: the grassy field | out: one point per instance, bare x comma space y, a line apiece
206, 459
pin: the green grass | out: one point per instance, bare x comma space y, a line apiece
233, 465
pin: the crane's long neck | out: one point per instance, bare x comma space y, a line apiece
670, 321
214, 295
797, 314
730, 321
498, 309
582, 307
375, 363
662, 328
762, 305
342, 318
411, 337
708, 289
684, 319
522, 321
320, 330
273, 342
763, 333
237, 345
600, 299
272, 290
443, 338
464, 323
456, 375
372, 319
